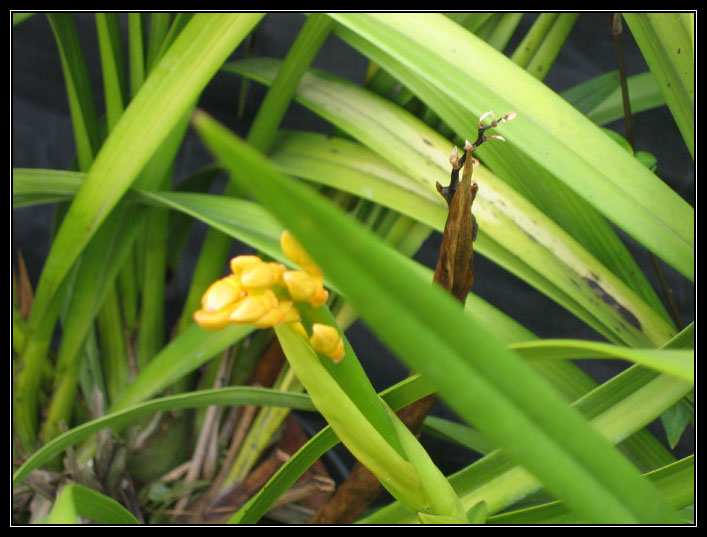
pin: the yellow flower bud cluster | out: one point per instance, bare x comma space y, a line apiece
265, 294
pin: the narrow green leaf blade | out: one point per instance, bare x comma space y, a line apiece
241, 395
506, 399
184, 354
37, 186
78, 87
676, 481
18, 18
547, 130
171, 89
508, 223
111, 49
76, 500
668, 49
678, 363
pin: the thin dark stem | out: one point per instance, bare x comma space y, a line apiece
617, 33
668, 292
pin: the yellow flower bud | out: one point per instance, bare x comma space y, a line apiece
304, 287
243, 262
214, 320
283, 313
222, 293
326, 339
300, 285
253, 307
261, 275
320, 297
294, 251
338, 353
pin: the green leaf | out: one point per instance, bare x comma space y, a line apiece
600, 98
215, 249
241, 219
678, 363
78, 87
350, 424
457, 433
178, 24
299, 57
481, 380
37, 186
159, 27
100, 263
618, 408
348, 166
550, 260
540, 47
75, 500
18, 18
191, 349
666, 44
477, 514
532, 179
162, 102
111, 48
248, 222
136, 51
533, 39
676, 481
398, 396
116, 419
675, 420
436, 52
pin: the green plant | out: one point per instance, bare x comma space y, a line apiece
361, 203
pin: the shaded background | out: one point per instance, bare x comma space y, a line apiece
42, 138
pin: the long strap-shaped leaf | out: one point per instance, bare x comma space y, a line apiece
667, 44
485, 383
240, 395
477, 78
572, 213
250, 223
165, 97
78, 87
171, 88
513, 233
677, 363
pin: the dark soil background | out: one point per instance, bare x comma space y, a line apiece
42, 138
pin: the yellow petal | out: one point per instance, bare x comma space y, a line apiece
213, 320
320, 297
300, 285
299, 255
283, 313
291, 313
261, 275
243, 262
338, 353
221, 293
325, 338
253, 307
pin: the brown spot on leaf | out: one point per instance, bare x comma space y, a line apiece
629, 317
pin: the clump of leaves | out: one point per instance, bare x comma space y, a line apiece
361, 203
